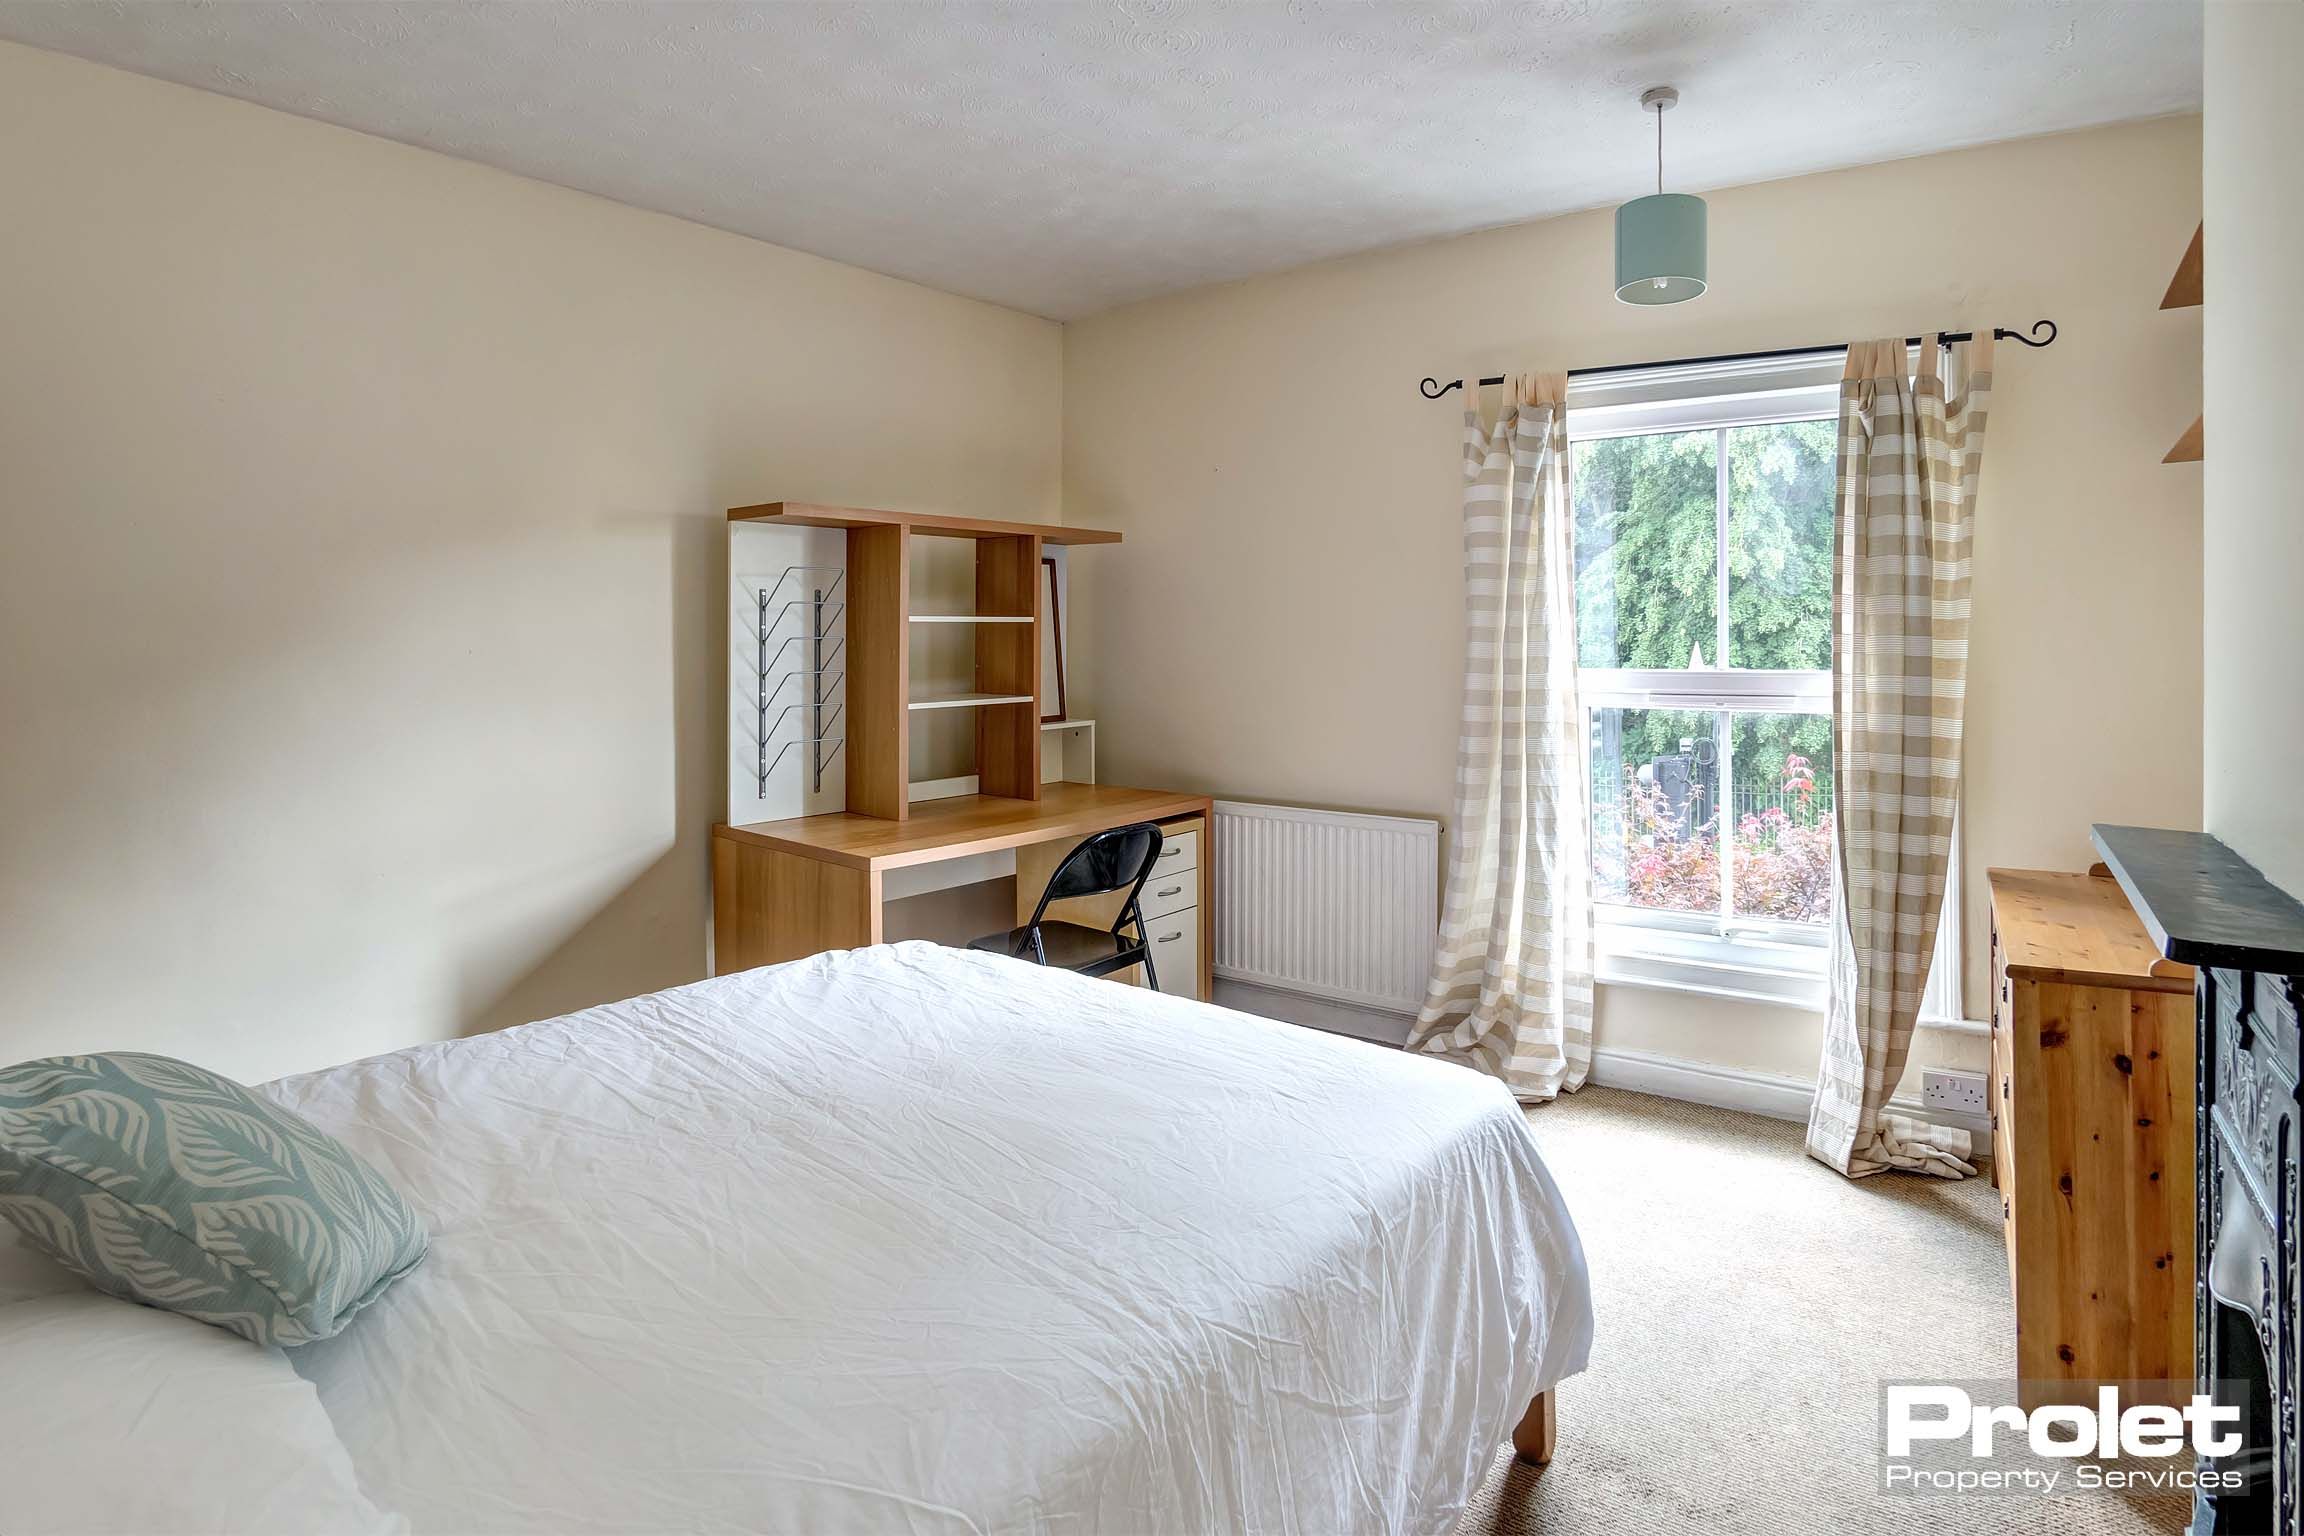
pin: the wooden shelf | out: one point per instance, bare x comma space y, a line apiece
809, 515
968, 700
1001, 691
2185, 289
2188, 449
971, 618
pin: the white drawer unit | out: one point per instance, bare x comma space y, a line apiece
1176, 951
1171, 906
1171, 892
1178, 851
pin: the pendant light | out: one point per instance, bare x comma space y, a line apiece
1660, 238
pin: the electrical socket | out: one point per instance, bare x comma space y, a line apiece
1959, 1091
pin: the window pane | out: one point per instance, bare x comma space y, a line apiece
1647, 538
1655, 800
1781, 862
1780, 545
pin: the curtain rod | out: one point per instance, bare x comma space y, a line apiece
1433, 389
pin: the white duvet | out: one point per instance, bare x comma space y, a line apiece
916, 1239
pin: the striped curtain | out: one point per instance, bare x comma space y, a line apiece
1511, 985
1901, 531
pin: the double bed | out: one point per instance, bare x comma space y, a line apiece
918, 1239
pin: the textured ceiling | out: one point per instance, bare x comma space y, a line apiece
1064, 157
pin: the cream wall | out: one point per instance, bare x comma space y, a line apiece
1283, 621
2254, 345
360, 608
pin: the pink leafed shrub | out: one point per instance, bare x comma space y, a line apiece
1644, 858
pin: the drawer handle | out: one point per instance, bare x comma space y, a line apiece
1172, 890
1170, 938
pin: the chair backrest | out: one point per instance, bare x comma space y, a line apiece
1116, 859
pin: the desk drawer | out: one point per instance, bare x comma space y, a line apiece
1176, 951
1179, 851
1169, 891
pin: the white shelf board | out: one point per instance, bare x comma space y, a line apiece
1063, 725
968, 700
971, 618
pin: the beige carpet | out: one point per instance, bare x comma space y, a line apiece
1749, 1303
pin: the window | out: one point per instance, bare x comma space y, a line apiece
1703, 530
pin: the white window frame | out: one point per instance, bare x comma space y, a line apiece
1718, 953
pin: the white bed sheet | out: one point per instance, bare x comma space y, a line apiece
918, 1239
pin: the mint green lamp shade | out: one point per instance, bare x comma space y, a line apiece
1660, 249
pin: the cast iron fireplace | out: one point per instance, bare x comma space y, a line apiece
2209, 908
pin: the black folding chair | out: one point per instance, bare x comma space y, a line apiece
1119, 859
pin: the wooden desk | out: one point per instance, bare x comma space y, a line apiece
782, 890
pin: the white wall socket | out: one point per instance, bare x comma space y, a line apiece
1961, 1091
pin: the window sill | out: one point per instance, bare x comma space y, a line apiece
1675, 952
1738, 979
1769, 959
1717, 978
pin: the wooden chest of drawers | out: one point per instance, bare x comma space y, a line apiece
2092, 1136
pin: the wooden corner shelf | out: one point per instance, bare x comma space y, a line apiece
2189, 448
2186, 288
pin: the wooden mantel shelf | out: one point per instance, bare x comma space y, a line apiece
810, 515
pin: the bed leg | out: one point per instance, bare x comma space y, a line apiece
1533, 1436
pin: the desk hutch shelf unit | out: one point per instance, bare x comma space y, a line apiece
863, 558
831, 842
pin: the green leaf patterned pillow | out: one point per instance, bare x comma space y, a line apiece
166, 1184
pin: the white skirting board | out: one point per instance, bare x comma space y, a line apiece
1701, 1082
1772, 1094
1759, 1093
1375, 1025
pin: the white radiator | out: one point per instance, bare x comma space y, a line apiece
1326, 903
